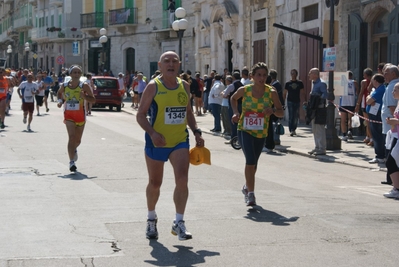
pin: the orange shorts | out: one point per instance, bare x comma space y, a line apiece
78, 117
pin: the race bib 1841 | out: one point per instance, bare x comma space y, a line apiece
254, 120
175, 115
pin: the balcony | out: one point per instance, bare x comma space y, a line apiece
4, 37
123, 17
65, 35
40, 34
56, 2
8, 1
93, 21
23, 23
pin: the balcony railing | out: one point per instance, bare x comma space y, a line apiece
23, 23
93, 20
39, 33
65, 34
123, 16
56, 2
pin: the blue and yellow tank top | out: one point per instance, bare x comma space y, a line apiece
252, 118
168, 113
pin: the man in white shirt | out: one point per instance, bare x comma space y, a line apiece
215, 101
26, 91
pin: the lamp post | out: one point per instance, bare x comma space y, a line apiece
9, 52
27, 49
103, 40
179, 26
333, 142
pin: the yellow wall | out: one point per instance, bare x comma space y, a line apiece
88, 6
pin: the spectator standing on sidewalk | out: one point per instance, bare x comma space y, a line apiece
225, 106
215, 101
208, 85
374, 103
292, 92
141, 84
318, 97
347, 107
365, 89
393, 156
237, 84
198, 95
277, 85
391, 75
245, 80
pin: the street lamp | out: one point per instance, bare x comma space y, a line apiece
179, 26
332, 140
9, 52
27, 49
103, 40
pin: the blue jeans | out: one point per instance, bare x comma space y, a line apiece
205, 100
293, 113
378, 137
276, 137
215, 109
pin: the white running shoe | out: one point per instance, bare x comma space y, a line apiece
72, 167
24, 120
151, 231
394, 193
180, 230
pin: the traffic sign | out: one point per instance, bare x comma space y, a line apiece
60, 60
34, 56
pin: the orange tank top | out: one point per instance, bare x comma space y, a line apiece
3, 87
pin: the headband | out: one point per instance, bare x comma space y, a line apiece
74, 67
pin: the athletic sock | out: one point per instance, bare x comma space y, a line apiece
152, 215
179, 217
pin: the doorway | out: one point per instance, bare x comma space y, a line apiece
380, 40
130, 59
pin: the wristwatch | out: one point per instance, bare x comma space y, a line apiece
198, 130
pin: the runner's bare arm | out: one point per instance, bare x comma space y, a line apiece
87, 94
60, 96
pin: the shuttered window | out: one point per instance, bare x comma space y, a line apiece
260, 25
310, 12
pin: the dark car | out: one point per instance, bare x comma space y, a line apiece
107, 92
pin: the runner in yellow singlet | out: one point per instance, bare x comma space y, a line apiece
72, 94
167, 98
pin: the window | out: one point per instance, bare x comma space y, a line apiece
260, 25
311, 12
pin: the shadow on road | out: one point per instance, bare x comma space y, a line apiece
258, 214
184, 256
76, 176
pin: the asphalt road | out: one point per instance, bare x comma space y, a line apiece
309, 213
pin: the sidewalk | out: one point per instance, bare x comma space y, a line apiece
353, 152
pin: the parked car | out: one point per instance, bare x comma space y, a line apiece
107, 92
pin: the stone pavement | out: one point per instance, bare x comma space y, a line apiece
353, 152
